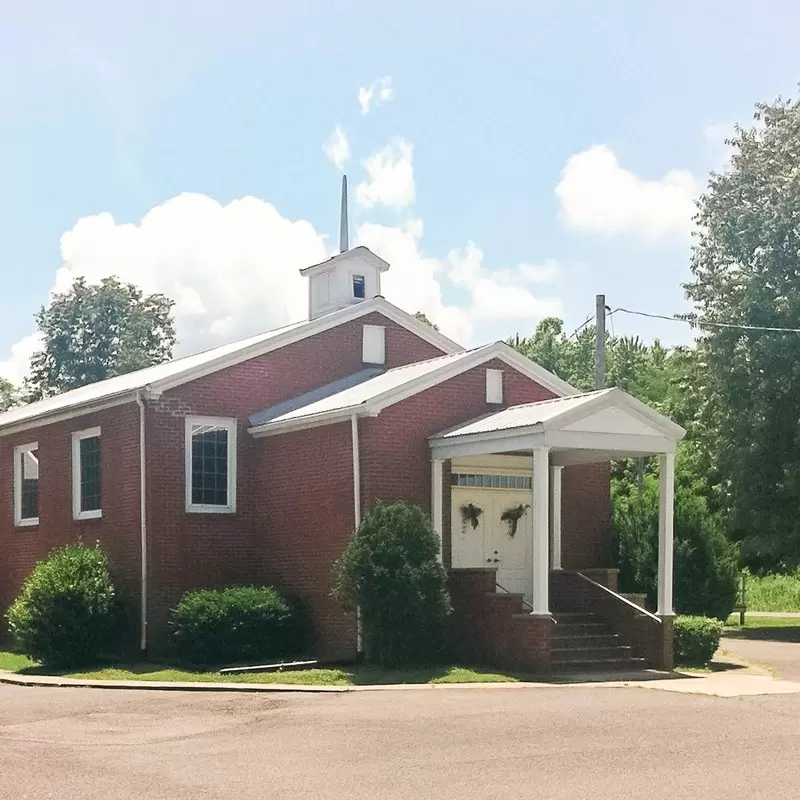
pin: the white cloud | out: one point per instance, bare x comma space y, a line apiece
337, 148
597, 195
391, 176
380, 91
233, 271
492, 303
16, 366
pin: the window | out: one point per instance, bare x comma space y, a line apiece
374, 344
494, 386
210, 465
359, 287
87, 474
26, 484
492, 481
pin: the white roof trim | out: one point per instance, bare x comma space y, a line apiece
229, 359
550, 431
364, 253
448, 370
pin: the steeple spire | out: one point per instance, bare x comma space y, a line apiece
344, 233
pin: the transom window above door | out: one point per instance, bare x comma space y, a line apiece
492, 481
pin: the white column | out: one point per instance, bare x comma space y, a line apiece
555, 517
437, 508
666, 511
541, 531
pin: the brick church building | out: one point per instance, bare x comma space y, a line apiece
253, 462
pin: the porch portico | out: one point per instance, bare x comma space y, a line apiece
554, 434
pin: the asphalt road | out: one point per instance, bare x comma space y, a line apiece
781, 656
423, 743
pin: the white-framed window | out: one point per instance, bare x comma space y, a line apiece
210, 465
87, 474
359, 287
374, 344
26, 484
494, 386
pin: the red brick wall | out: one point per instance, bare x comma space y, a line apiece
117, 530
306, 479
185, 550
586, 516
213, 550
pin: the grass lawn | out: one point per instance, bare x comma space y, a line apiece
349, 676
774, 593
755, 623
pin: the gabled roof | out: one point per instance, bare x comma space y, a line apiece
609, 419
157, 379
370, 397
355, 254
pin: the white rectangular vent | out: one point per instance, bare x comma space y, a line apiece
494, 386
374, 345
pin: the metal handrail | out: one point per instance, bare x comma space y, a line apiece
503, 589
621, 598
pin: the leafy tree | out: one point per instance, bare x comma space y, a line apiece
8, 395
93, 332
706, 571
390, 571
746, 272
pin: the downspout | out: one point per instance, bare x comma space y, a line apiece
357, 515
143, 522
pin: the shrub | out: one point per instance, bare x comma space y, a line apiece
236, 624
390, 571
773, 592
68, 611
705, 562
695, 640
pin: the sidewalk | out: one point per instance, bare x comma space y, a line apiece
744, 682
791, 614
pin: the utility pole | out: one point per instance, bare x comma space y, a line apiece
600, 342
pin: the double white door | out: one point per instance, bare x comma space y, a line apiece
486, 540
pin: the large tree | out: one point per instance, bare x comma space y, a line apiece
8, 395
746, 272
98, 331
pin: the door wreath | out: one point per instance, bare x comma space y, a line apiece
470, 513
512, 516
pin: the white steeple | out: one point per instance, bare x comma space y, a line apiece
345, 279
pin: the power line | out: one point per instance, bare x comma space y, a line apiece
580, 327
705, 324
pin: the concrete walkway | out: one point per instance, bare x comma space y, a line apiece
792, 614
740, 681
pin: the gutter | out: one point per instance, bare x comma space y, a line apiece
143, 521
357, 517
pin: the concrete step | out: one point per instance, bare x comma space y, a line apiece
583, 654
599, 665
579, 641
581, 629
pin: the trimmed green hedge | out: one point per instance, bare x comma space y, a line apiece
237, 624
68, 612
695, 640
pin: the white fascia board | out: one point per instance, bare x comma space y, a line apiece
628, 444
70, 413
360, 252
520, 439
650, 415
311, 421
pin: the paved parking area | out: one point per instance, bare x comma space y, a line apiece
783, 657
428, 743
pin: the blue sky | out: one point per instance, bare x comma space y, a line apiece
515, 158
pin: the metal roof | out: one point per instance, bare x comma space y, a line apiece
523, 416
315, 395
364, 391
181, 370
